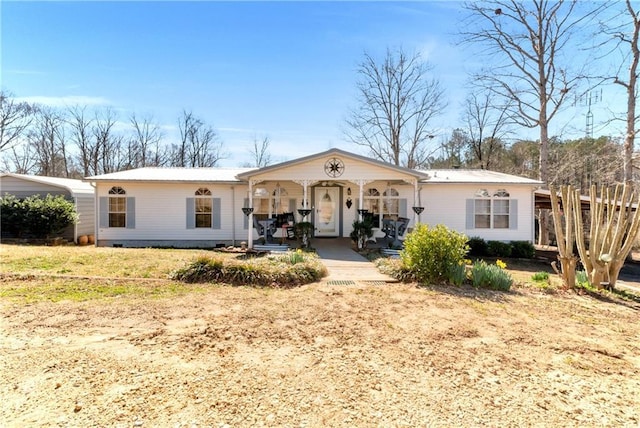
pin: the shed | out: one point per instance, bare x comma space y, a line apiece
80, 193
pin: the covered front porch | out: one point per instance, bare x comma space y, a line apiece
328, 192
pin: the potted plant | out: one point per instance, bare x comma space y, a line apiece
362, 231
304, 232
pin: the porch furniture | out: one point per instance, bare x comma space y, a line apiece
395, 229
264, 227
286, 223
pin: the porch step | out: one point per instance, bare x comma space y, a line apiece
273, 248
390, 252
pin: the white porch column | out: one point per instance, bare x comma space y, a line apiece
416, 202
305, 193
361, 184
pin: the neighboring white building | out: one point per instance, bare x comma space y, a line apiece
203, 207
81, 193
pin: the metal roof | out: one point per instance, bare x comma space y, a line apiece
478, 176
178, 175
159, 174
76, 187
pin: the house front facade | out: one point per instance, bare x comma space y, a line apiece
208, 207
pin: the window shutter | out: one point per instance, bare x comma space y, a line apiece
513, 214
191, 213
292, 205
470, 213
131, 213
104, 211
402, 208
246, 218
216, 213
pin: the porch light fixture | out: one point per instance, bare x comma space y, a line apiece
418, 210
247, 210
348, 191
349, 203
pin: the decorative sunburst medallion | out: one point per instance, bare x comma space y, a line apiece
334, 167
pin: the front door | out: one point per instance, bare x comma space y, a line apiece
327, 203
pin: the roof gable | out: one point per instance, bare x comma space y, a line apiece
334, 152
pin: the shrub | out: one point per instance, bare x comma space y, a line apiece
431, 254
35, 216
289, 269
499, 249
490, 276
362, 231
477, 246
522, 249
540, 276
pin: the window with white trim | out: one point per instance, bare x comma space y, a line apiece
492, 212
391, 203
203, 208
371, 202
117, 207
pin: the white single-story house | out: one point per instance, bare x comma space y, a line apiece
81, 193
205, 207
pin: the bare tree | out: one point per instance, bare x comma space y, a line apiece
625, 37
19, 159
144, 145
396, 105
260, 154
199, 145
15, 118
80, 130
486, 121
47, 139
526, 43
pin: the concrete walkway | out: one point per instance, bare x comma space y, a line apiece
345, 266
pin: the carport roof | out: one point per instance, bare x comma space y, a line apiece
75, 187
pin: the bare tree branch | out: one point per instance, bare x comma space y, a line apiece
397, 104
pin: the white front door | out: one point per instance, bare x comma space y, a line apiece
326, 216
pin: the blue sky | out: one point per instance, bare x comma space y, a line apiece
286, 70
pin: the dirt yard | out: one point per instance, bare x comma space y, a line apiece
321, 355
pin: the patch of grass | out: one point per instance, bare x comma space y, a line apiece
92, 261
540, 276
30, 289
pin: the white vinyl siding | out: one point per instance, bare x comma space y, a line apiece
451, 205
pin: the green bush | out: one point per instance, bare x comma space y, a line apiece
490, 276
477, 246
36, 217
522, 250
431, 253
499, 249
294, 268
362, 231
